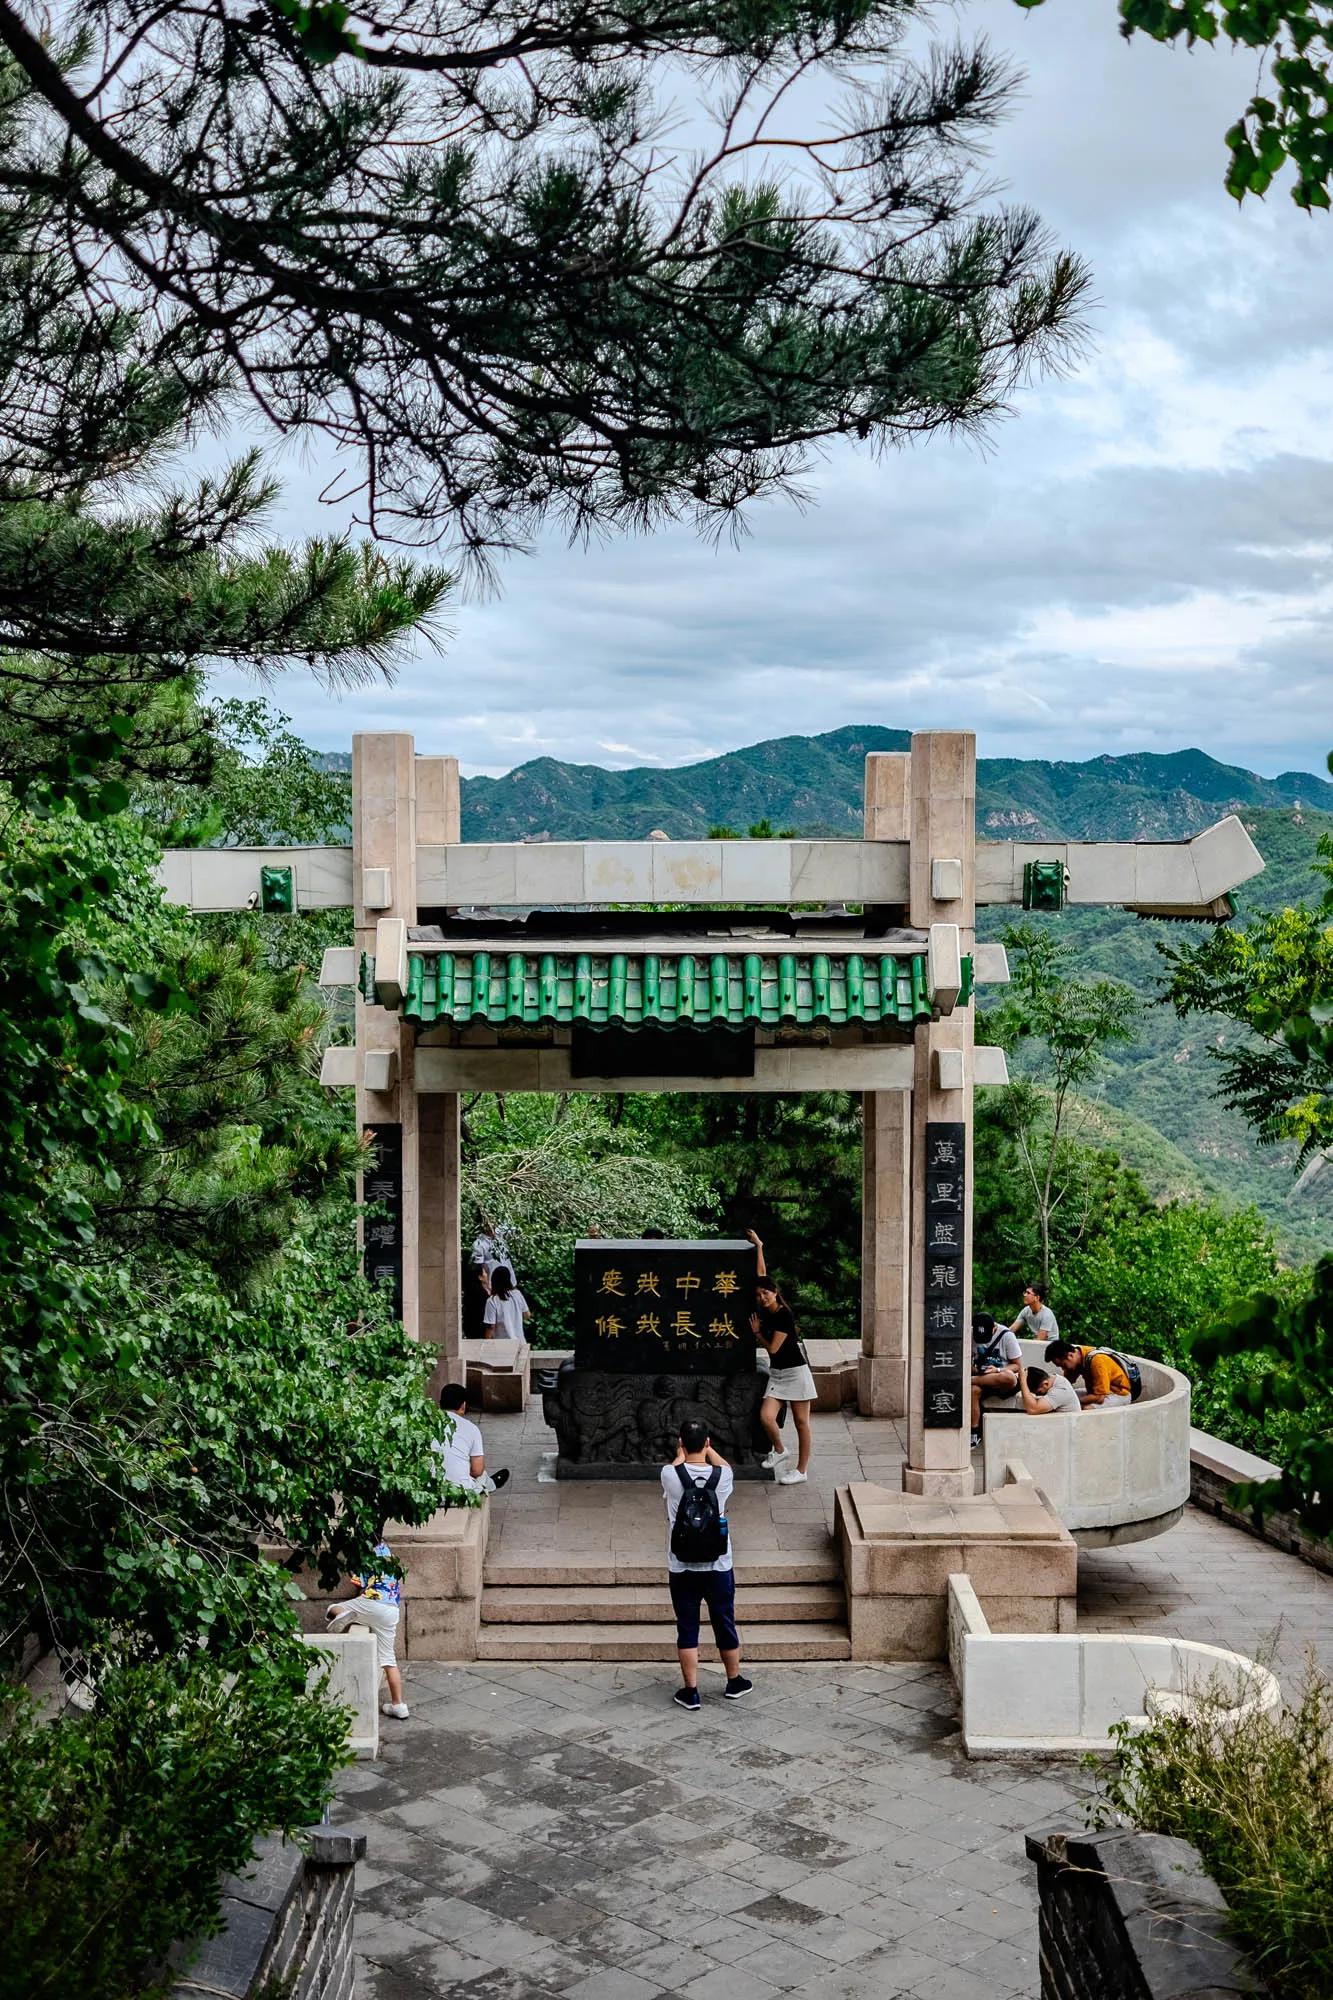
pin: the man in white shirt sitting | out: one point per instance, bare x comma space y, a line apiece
463, 1456
1035, 1319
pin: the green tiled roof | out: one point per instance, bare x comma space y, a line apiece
633, 989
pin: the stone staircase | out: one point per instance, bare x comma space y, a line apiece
789, 1606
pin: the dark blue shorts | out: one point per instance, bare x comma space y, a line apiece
716, 1588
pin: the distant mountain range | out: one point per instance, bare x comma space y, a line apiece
813, 785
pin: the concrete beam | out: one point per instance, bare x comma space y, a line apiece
227, 878
548, 1069
1186, 877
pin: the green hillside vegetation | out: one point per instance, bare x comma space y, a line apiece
1163, 1082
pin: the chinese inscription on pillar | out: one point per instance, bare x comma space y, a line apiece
382, 1191
944, 1400
648, 1306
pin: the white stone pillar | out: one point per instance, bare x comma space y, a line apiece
943, 810
435, 1216
886, 1159
384, 868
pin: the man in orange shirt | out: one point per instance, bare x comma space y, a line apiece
1099, 1379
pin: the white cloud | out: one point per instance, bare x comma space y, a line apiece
1141, 559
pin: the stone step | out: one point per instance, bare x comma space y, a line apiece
642, 1604
625, 1642
533, 1570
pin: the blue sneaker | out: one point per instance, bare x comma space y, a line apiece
687, 1698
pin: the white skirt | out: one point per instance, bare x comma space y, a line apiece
791, 1385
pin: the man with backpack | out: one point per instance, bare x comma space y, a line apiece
1104, 1379
696, 1487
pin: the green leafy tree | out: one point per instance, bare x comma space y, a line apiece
116, 1827
789, 1167
1274, 977
548, 1170
463, 244
1290, 1334
1289, 120
1060, 1028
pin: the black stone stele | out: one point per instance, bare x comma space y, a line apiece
643, 1306
382, 1189
620, 1426
945, 1401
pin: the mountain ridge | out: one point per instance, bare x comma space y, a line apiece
813, 785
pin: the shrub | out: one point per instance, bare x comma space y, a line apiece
116, 1826
1256, 1800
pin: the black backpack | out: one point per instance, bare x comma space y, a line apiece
697, 1533
1133, 1373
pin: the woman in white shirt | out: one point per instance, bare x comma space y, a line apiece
506, 1308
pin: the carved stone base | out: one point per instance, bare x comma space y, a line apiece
625, 1426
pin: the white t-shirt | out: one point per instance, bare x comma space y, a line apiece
671, 1492
489, 1252
1042, 1324
1002, 1349
458, 1453
506, 1315
1061, 1397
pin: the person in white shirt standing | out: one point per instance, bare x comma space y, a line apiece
463, 1456
699, 1566
506, 1308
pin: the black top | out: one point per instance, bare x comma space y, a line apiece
785, 1352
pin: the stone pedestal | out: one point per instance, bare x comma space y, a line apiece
900, 1549
626, 1426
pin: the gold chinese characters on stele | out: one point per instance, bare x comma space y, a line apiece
651, 1305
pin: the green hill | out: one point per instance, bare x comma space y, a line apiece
814, 783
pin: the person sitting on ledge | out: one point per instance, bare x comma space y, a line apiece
1100, 1381
997, 1363
1035, 1319
463, 1456
1046, 1393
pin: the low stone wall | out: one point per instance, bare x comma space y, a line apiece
900, 1549
287, 1924
1215, 1467
1061, 1694
1132, 1916
1113, 1476
498, 1376
442, 1564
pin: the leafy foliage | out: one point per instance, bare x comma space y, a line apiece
116, 1827
1292, 1331
788, 1167
1256, 1800
551, 1169
266, 788
1291, 126
466, 247
1062, 1026
1275, 978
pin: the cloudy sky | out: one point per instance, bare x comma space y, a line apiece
1142, 559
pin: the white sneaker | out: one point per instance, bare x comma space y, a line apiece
398, 1709
774, 1458
791, 1478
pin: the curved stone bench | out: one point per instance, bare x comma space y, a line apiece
1061, 1694
1119, 1475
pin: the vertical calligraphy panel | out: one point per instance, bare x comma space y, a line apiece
945, 1354
383, 1227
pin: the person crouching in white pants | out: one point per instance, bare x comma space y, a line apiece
379, 1607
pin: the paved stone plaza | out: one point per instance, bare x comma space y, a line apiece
563, 1829
558, 1827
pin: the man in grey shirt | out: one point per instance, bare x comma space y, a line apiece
1035, 1321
